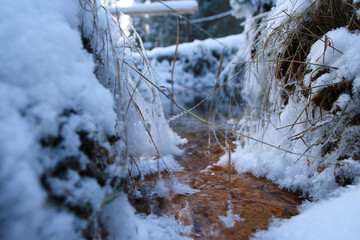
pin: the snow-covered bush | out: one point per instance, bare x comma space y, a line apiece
72, 114
303, 89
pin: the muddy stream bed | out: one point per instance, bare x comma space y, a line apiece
256, 200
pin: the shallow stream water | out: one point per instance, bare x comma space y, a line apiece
255, 200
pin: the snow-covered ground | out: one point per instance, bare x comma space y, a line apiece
71, 118
73, 113
334, 218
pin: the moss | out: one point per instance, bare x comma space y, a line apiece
327, 96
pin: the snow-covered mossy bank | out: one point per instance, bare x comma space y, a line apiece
71, 118
302, 88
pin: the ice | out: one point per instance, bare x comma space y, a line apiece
124, 224
149, 166
181, 188
230, 219
160, 189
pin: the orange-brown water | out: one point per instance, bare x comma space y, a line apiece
256, 200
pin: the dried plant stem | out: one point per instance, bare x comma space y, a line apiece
217, 126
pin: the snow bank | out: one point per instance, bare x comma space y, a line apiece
304, 140
68, 109
119, 214
302, 127
48, 95
196, 68
336, 218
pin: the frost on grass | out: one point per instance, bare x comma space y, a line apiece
182, 188
163, 189
153, 165
303, 94
307, 110
230, 219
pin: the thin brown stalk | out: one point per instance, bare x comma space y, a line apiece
175, 55
216, 83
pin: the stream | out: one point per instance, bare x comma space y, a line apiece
255, 200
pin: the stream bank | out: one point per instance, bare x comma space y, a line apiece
255, 200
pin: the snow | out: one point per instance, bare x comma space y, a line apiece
119, 215
181, 188
338, 53
195, 68
285, 142
56, 96
285, 9
182, 6
230, 42
45, 71
335, 218
230, 219
163, 190
149, 166
273, 151
59, 97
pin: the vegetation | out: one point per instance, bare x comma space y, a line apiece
289, 79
